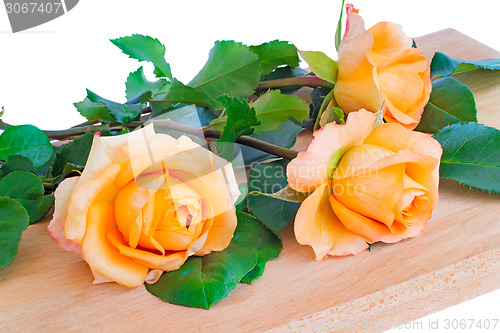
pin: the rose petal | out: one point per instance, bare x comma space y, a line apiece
313, 167
172, 240
395, 137
405, 84
388, 38
374, 191
128, 211
317, 225
162, 151
355, 44
221, 208
107, 150
372, 194
56, 225
414, 204
145, 151
169, 261
357, 85
103, 257
220, 233
100, 188
99, 278
154, 276
372, 230
359, 158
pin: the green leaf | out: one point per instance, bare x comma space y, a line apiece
17, 162
13, 221
123, 113
203, 281
231, 69
27, 141
450, 102
137, 83
276, 53
270, 178
252, 233
272, 109
322, 65
471, 155
74, 153
21, 184
443, 65
338, 32
92, 111
26, 188
37, 208
241, 119
180, 93
145, 48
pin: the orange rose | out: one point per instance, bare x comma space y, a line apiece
379, 69
145, 203
367, 185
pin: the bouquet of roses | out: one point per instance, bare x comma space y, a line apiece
187, 187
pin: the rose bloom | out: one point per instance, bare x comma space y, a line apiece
144, 203
368, 185
378, 69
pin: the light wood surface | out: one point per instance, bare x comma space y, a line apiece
456, 258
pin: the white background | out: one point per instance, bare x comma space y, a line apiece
46, 69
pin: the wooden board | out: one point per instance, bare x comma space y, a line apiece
456, 258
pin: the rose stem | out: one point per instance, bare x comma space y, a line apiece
246, 140
208, 133
96, 125
306, 81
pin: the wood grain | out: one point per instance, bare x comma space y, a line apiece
455, 259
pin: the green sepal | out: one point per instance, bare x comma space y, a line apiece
338, 32
321, 64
